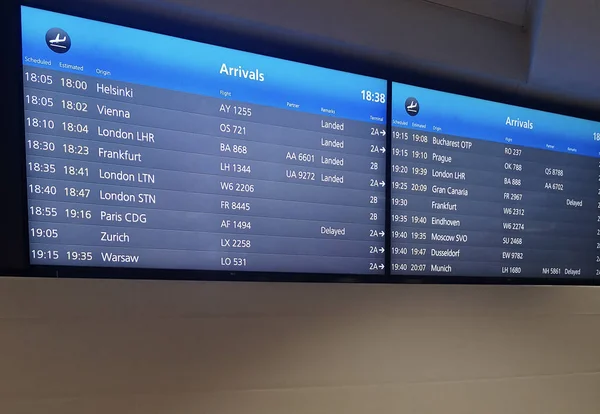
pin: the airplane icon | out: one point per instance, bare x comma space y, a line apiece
412, 107
56, 41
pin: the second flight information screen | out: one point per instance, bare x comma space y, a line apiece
150, 151
487, 189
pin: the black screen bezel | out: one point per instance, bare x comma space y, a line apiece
14, 217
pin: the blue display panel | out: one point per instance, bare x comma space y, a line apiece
486, 189
150, 151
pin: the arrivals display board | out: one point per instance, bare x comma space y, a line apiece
150, 151
491, 190
143, 152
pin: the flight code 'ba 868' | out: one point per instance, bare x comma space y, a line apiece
236, 149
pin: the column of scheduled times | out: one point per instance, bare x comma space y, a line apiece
515, 202
123, 174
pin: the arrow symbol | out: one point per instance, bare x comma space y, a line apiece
382, 233
383, 132
381, 266
382, 183
383, 150
381, 250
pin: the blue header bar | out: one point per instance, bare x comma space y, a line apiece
451, 114
114, 52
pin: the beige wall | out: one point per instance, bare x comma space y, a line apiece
133, 347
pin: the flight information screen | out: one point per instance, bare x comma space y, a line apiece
487, 189
149, 151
